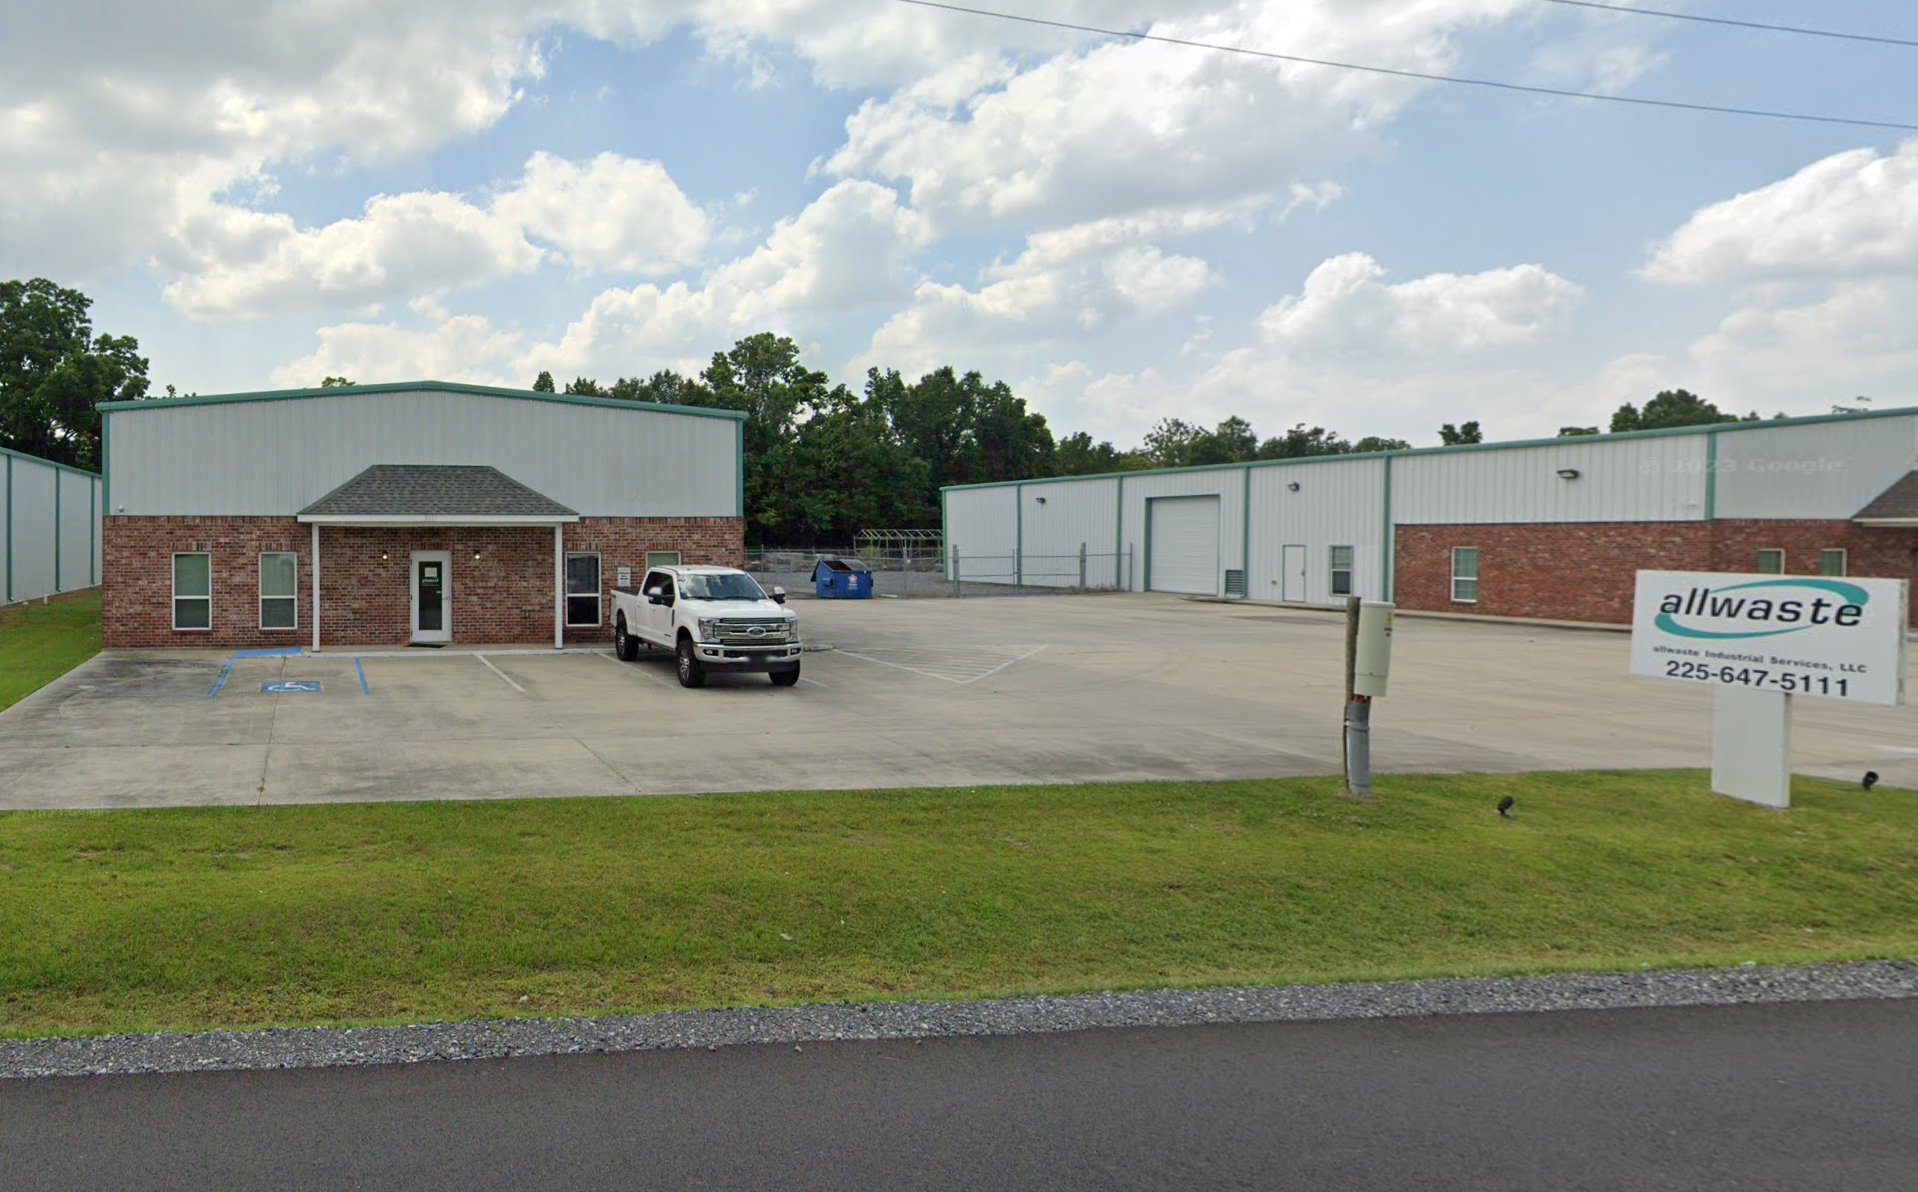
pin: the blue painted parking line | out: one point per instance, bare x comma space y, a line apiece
362, 669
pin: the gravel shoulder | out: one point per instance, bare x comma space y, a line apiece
321, 1047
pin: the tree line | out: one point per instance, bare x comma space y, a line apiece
823, 461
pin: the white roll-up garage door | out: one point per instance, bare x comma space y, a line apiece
1185, 545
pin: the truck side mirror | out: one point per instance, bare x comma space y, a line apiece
779, 594
655, 596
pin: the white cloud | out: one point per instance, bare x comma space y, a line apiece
1124, 127
1855, 340
465, 348
1346, 311
1854, 214
612, 214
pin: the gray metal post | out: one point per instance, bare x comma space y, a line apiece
1358, 712
1082, 566
955, 572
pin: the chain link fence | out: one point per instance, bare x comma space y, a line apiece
903, 575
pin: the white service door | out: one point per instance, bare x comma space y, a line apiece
432, 597
1292, 575
1185, 545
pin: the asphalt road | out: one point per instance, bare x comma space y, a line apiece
1798, 1097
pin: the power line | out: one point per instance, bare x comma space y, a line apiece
1415, 74
1688, 16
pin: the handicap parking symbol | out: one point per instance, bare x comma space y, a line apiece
290, 686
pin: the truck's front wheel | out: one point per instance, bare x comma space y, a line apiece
691, 673
624, 645
785, 678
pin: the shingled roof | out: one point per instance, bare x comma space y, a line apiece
1897, 504
435, 492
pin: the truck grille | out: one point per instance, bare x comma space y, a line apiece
742, 632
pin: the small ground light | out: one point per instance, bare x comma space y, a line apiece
1505, 806
1870, 779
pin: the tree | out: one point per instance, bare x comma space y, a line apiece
1458, 436
584, 387
1374, 443
544, 382
334, 382
1078, 455
54, 372
1571, 432
1672, 407
664, 387
762, 375
1300, 443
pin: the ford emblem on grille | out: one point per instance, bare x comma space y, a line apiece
756, 631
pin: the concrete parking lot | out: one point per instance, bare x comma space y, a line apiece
914, 693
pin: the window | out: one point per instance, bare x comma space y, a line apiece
279, 590
1831, 562
1341, 571
1771, 562
1465, 574
193, 591
582, 588
662, 558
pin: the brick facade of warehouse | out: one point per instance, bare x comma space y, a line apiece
1585, 571
501, 586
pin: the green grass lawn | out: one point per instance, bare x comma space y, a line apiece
238, 916
41, 642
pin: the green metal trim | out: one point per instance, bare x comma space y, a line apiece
1119, 582
1145, 565
1715, 428
1245, 542
739, 443
57, 486
106, 465
9, 459
569, 399
1019, 535
1711, 477
1388, 544
93, 522
10, 453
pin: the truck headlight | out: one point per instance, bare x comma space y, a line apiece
707, 629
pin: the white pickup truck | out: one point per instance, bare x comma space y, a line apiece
711, 618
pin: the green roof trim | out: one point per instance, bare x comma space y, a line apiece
10, 453
1709, 428
567, 399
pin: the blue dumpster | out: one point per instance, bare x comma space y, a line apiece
842, 579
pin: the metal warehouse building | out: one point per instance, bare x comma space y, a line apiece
49, 527
1549, 528
423, 513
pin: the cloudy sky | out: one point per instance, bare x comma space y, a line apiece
271, 192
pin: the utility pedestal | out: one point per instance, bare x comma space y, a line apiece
1751, 745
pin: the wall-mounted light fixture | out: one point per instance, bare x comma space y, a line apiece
475, 556
1041, 500
1292, 487
382, 558
1568, 473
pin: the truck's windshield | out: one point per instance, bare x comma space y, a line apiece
736, 586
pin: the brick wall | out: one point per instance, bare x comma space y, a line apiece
1583, 571
503, 595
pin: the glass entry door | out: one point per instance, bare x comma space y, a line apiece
432, 596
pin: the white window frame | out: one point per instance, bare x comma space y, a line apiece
1472, 579
1770, 550
598, 594
1333, 569
1844, 561
294, 595
658, 558
173, 608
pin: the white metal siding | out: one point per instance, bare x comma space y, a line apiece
981, 524
1185, 545
1830, 470
76, 531
1625, 480
275, 457
1061, 518
1338, 503
32, 545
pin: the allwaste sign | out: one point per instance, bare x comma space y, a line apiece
1837, 638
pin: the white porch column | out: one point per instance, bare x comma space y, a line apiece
559, 587
315, 614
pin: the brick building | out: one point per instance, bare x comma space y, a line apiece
1552, 528
421, 514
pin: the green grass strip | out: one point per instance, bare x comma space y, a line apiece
379, 912
41, 642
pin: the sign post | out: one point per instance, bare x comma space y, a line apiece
1760, 640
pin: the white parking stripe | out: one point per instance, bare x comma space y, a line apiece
647, 671
814, 682
487, 662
